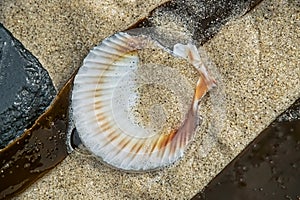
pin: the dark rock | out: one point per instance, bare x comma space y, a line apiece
26, 88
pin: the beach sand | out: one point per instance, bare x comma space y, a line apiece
257, 57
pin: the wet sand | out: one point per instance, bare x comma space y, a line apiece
257, 57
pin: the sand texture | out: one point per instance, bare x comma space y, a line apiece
257, 59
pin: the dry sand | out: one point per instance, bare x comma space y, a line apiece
257, 57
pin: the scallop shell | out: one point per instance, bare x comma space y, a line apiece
105, 129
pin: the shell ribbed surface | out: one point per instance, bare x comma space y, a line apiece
103, 125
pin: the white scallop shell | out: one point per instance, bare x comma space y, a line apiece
104, 129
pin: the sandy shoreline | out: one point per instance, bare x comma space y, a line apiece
255, 56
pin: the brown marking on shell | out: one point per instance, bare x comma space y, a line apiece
100, 114
190, 55
100, 81
110, 53
99, 90
182, 140
105, 126
185, 139
154, 145
122, 144
173, 147
102, 102
98, 105
100, 117
160, 144
109, 137
112, 136
162, 148
201, 88
166, 139
136, 147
